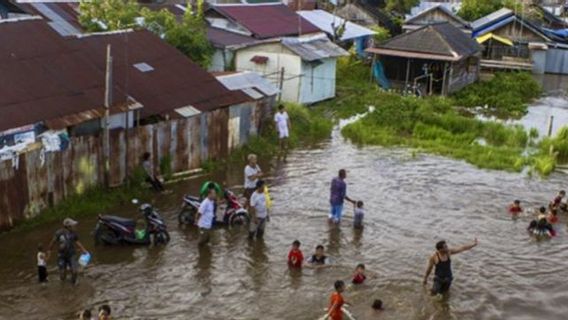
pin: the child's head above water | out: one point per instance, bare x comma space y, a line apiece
542, 210
296, 244
319, 250
360, 267
339, 285
359, 204
517, 202
378, 304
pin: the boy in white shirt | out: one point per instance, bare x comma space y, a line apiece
283, 126
258, 203
41, 264
252, 174
205, 217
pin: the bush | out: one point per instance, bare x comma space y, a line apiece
507, 95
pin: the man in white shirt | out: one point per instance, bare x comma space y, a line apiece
283, 126
259, 212
205, 216
252, 174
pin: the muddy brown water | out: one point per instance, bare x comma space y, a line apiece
411, 201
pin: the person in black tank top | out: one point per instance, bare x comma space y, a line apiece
442, 263
318, 260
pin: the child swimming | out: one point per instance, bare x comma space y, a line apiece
359, 275
515, 208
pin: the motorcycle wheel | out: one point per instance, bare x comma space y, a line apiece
105, 236
239, 219
187, 216
162, 237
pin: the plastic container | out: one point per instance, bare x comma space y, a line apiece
84, 259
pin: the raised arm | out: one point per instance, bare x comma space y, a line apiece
464, 248
428, 270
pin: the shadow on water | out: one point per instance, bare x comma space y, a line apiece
411, 202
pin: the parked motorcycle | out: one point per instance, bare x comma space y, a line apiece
234, 212
112, 230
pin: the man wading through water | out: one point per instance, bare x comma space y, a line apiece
337, 196
66, 239
441, 260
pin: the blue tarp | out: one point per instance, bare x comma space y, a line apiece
563, 33
379, 74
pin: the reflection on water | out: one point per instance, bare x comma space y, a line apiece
411, 202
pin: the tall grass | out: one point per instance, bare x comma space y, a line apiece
506, 95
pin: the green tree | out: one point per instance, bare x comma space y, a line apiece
107, 15
381, 35
401, 6
189, 35
471, 10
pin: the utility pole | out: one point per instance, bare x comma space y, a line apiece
280, 84
108, 102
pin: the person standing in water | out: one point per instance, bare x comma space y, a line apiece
338, 194
283, 126
443, 266
252, 174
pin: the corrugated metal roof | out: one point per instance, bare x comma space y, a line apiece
314, 48
491, 18
175, 82
220, 38
267, 20
44, 77
324, 20
247, 80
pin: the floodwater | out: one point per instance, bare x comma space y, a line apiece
411, 201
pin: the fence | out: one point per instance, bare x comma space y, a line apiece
37, 180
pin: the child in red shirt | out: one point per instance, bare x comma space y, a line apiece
515, 208
336, 302
295, 256
359, 275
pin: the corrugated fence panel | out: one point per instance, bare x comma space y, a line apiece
194, 142
13, 193
44, 179
37, 187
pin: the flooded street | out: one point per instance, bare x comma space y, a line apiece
412, 201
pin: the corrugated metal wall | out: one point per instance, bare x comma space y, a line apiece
37, 180
556, 61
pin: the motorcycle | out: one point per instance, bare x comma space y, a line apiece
234, 212
112, 230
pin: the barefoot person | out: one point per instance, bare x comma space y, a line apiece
441, 261
66, 241
283, 126
338, 194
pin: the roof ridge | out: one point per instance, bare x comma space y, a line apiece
18, 19
443, 38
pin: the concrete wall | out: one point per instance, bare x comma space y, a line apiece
278, 57
36, 180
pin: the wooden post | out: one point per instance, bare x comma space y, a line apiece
407, 73
108, 102
430, 85
280, 84
372, 66
443, 91
127, 144
450, 78
550, 123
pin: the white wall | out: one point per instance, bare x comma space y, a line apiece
318, 82
278, 57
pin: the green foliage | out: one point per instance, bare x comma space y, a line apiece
471, 10
381, 35
556, 146
189, 35
506, 95
401, 6
107, 15
92, 201
166, 167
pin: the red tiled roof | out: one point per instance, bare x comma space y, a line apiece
267, 20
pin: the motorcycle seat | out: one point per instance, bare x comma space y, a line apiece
120, 220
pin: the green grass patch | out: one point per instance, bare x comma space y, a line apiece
506, 95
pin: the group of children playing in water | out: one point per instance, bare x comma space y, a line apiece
542, 224
319, 260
